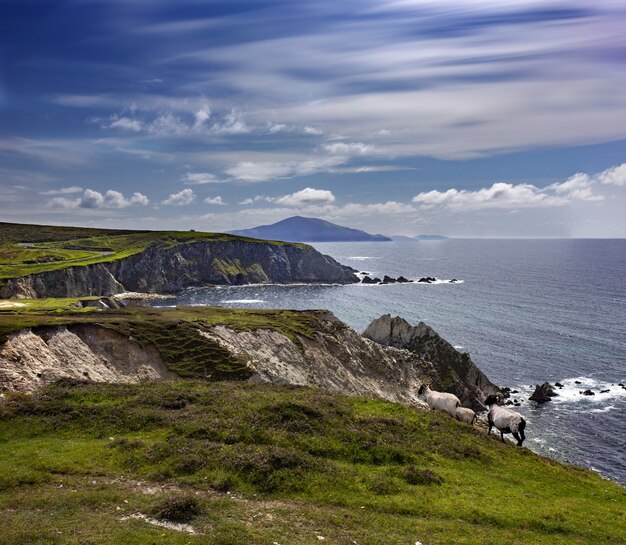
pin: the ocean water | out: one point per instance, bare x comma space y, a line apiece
527, 311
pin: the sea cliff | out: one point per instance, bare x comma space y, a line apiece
162, 268
308, 348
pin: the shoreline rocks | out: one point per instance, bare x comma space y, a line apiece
543, 393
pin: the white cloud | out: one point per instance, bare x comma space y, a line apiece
94, 199
307, 196
125, 123
261, 171
578, 187
202, 116
168, 124
277, 127
312, 131
614, 176
256, 198
215, 200
351, 148
233, 123
200, 178
182, 198
62, 190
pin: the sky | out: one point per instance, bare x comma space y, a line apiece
471, 119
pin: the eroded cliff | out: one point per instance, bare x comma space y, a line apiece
310, 348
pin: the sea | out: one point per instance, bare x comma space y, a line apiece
527, 311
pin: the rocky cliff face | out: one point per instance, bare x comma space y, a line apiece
31, 360
167, 270
333, 357
450, 370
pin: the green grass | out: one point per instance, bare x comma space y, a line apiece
261, 464
32, 249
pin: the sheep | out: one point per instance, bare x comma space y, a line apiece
441, 401
505, 420
464, 414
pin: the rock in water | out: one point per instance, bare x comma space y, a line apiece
542, 393
452, 371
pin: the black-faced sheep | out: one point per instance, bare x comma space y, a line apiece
505, 420
465, 415
440, 401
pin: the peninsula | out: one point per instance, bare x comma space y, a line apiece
45, 261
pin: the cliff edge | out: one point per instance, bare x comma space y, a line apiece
450, 370
306, 348
152, 262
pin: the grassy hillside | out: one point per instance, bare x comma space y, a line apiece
30, 249
242, 463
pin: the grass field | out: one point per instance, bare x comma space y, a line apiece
263, 464
31, 249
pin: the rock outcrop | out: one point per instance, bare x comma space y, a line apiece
333, 357
450, 370
161, 269
87, 352
543, 393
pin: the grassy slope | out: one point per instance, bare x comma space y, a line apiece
31, 249
269, 464
173, 331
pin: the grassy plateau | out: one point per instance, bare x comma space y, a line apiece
30, 249
263, 464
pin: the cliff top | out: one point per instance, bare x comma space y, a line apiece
244, 463
30, 249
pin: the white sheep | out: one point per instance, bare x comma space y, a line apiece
505, 420
440, 401
465, 415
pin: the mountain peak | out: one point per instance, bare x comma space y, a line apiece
303, 229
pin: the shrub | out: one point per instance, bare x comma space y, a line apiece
412, 475
182, 509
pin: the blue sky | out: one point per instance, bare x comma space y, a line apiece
468, 118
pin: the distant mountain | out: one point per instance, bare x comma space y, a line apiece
431, 237
402, 238
301, 229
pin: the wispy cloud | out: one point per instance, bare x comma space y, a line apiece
62, 190
201, 178
261, 171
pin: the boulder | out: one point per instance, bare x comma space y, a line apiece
389, 280
402, 280
368, 280
587, 393
424, 280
